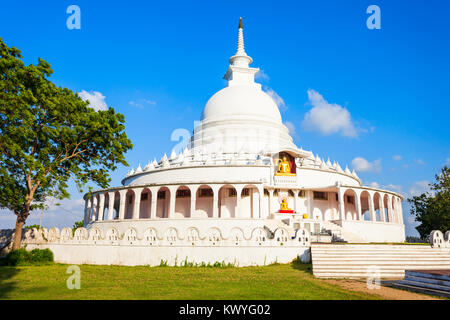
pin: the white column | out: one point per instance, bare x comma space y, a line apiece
261, 202
154, 193
194, 190
382, 215
310, 194
173, 197
371, 207
237, 213
94, 208
101, 207
358, 206
123, 202
400, 212
215, 201
111, 198
296, 201
393, 217
341, 203
270, 201
137, 202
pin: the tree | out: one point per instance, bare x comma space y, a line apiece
76, 225
49, 135
432, 209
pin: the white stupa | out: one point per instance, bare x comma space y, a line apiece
242, 171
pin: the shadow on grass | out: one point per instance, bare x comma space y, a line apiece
6, 286
300, 266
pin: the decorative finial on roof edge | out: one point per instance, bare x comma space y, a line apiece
240, 23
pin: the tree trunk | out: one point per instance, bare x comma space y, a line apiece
18, 234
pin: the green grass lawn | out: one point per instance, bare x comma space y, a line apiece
282, 281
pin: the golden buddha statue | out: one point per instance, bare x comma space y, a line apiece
284, 205
284, 167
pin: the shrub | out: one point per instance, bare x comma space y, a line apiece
22, 257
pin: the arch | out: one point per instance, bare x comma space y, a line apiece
236, 237
116, 205
162, 202
227, 201
129, 204
386, 212
192, 237
204, 202
170, 236
377, 206
214, 236
350, 204
112, 236
145, 204
105, 206
250, 201
317, 214
365, 199
259, 236
130, 236
182, 202
150, 237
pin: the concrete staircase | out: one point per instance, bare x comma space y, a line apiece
339, 234
436, 282
383, 261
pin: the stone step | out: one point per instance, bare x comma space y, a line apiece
433, 276
399, 266
427, 283
420, 289
390, 255
356, 275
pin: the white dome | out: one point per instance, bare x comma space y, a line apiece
241, 101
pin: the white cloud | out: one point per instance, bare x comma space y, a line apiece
394, 187
420, 161
261, 75
276, 98
60, 216
418, 188
141, 102
362, 165
328, 118
291, 128
374, 184
397, 157
96, 99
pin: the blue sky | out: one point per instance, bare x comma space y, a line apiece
159, 62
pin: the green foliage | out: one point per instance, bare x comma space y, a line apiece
32, 226
76, 225
432, 209
48, 135
22, 257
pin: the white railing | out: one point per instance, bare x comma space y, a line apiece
286, 181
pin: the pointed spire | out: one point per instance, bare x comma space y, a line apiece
173, 155
149, 166
240, 45
138, 169
240, 59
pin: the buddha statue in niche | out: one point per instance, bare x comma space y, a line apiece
284, 167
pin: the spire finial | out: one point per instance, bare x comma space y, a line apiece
240, 45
